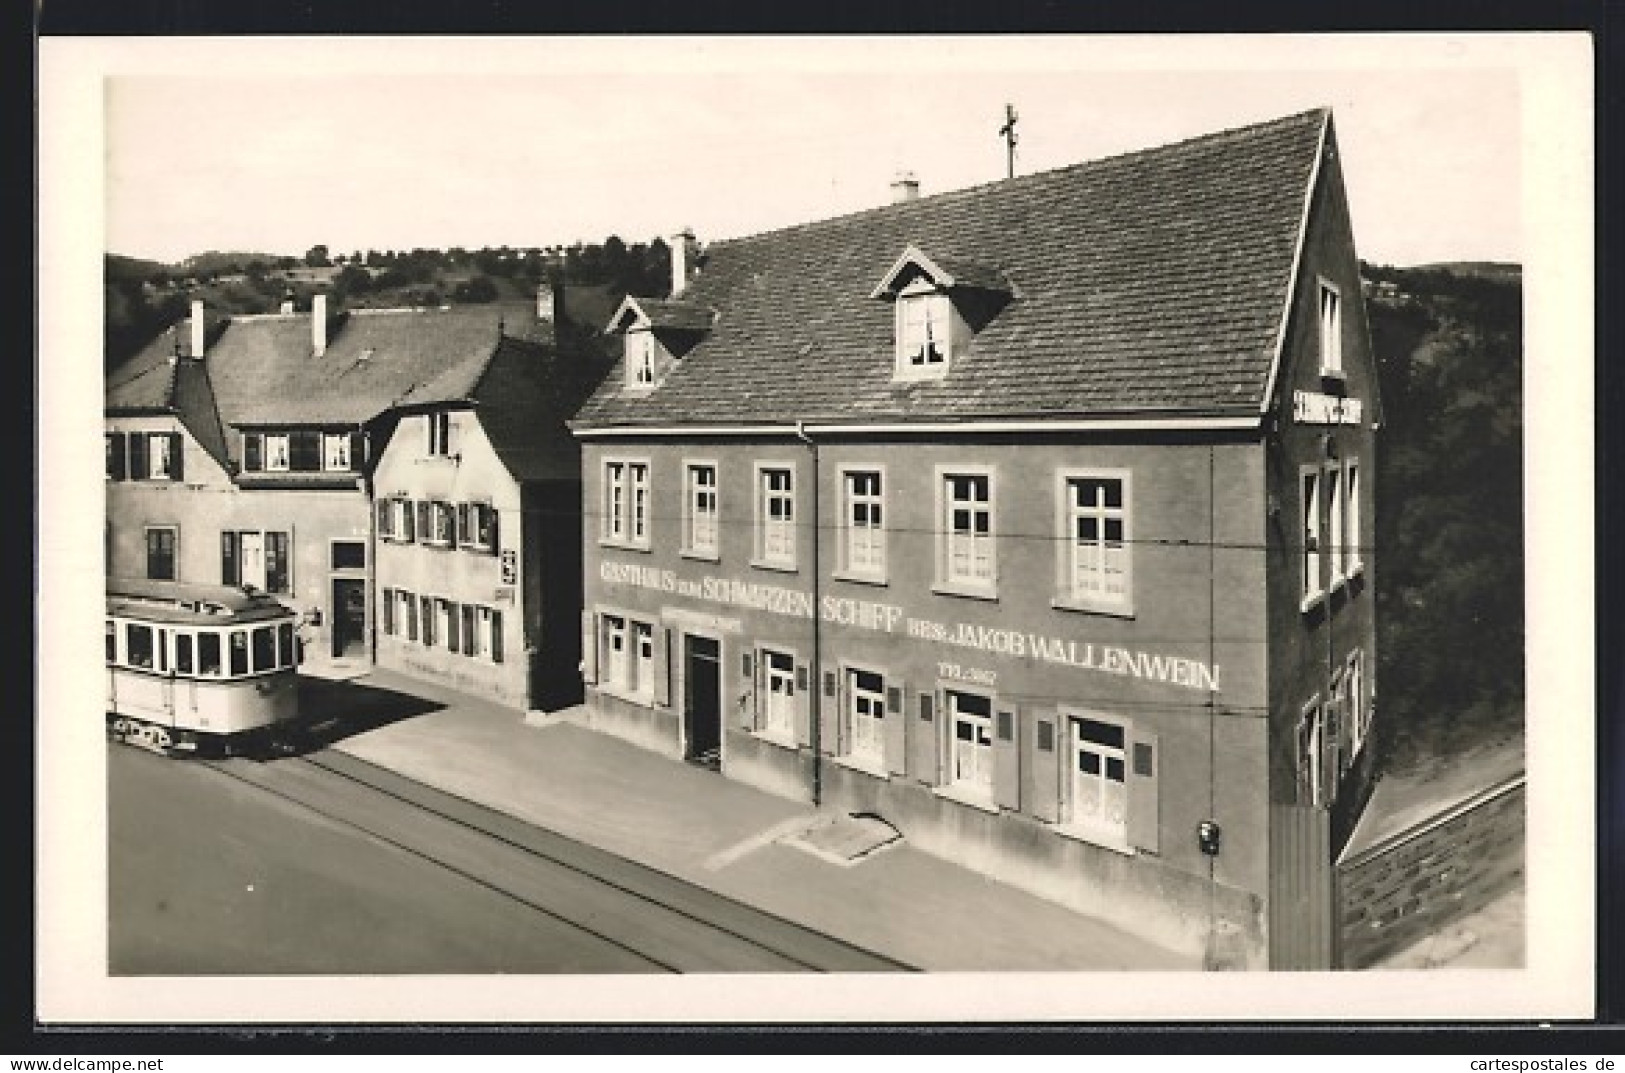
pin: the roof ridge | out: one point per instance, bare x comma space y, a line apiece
1230, 133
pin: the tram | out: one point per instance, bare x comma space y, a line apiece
200, 668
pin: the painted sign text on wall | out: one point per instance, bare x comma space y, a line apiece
890, 618
1318, 408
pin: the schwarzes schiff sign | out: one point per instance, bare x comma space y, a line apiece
889, 618
1318, 408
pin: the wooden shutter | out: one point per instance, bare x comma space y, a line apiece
118, 460
895, 734
276, 562
831, 715
425, 523
589, 648
1006, 757
468, 629
462, 534
253, 452
228, 559
383, 517
426, 612
454, 636
806, 706
662, 669
138, 456
358, 451
922, 737
748, 669
177, 457
496, 532
1044, 772
1144, 810
496, 638
386, 608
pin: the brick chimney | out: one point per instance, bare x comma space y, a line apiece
197, 327
684, 252
905, 187
318, 324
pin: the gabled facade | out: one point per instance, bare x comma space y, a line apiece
1034, 518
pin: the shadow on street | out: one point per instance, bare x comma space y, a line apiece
335, 710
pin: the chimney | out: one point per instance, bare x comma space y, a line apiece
684, 252
547, 301
197, 327
318, 324
905, 187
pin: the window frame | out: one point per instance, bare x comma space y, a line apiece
1358, 699
1099, 833
1311, 589
872, 760
1329, 322
342, 439
616, 529
174, 532
932, 307
1310, 747
1332, 482
981, 793
640, 351
1354, 561
946, 582
782, 733
762, 498
847, 569
285, 441
1067, 515
692, 548
437, 434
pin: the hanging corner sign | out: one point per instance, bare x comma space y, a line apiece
510, 566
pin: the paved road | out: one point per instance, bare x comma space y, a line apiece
327, 864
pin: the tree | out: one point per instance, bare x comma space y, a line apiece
478, 289
316, 257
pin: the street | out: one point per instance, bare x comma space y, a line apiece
327, 865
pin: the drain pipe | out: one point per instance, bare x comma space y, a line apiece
816, 679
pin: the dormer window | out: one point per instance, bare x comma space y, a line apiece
924, 330
640, 359
938, 306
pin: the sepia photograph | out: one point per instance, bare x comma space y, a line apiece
655, 529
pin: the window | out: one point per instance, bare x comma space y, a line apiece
407, 614
864, 546
159, 450
138, 646
643, 652
264, 648
1098, 783
1351, 518
277, 454
1311, 746
112, 641
477, 526
970, 722
256, 559
161, 541
640, 359
438, 441
700, 510
404, 514
923, 318
183, 654
617, 663
448, 619
779, 701
1095, 544
347, 555
1359, 708
117, 463
441, 523
237, 647
775, 517
1334, 524
335, 451
208, 654
967, 528
154, 456
626, 502
866, 710
1309, 502
1331, 331
426, 610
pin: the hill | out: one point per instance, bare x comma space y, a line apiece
1450, 623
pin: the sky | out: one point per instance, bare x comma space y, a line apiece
276, 145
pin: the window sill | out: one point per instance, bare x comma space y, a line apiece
1094, 838
875, 768
1065, 603
777, 738
622, 545
699, 555
646, 700
965, 796
1335, 375
918, 374
950, 588
859, 579
779, 568
1311, 601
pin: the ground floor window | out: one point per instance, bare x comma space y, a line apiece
1359, 702
1311, 753
779, 696
161, 541
1098, 780
866, 710
629, 656
970, 724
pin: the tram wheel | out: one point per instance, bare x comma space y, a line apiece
162, 741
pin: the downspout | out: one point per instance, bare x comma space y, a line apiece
815, 684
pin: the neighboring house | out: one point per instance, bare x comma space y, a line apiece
1034, 518
238, 451
478, 516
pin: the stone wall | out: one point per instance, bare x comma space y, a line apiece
1413, 884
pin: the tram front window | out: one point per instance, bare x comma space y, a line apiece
264, 648
138, 645
239, 651
183, 653
284, 640
208, 653
112, 642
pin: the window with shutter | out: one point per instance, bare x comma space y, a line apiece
276, 563
1144, 806
229, 573
138, 456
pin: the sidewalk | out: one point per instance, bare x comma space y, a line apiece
717, 833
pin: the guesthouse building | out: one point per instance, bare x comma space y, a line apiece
1034, 519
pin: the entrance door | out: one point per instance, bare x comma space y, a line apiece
252, 560
349, 616
702, 700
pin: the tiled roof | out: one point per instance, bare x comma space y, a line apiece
145, 382
523, 398
1150, 282
682, 316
